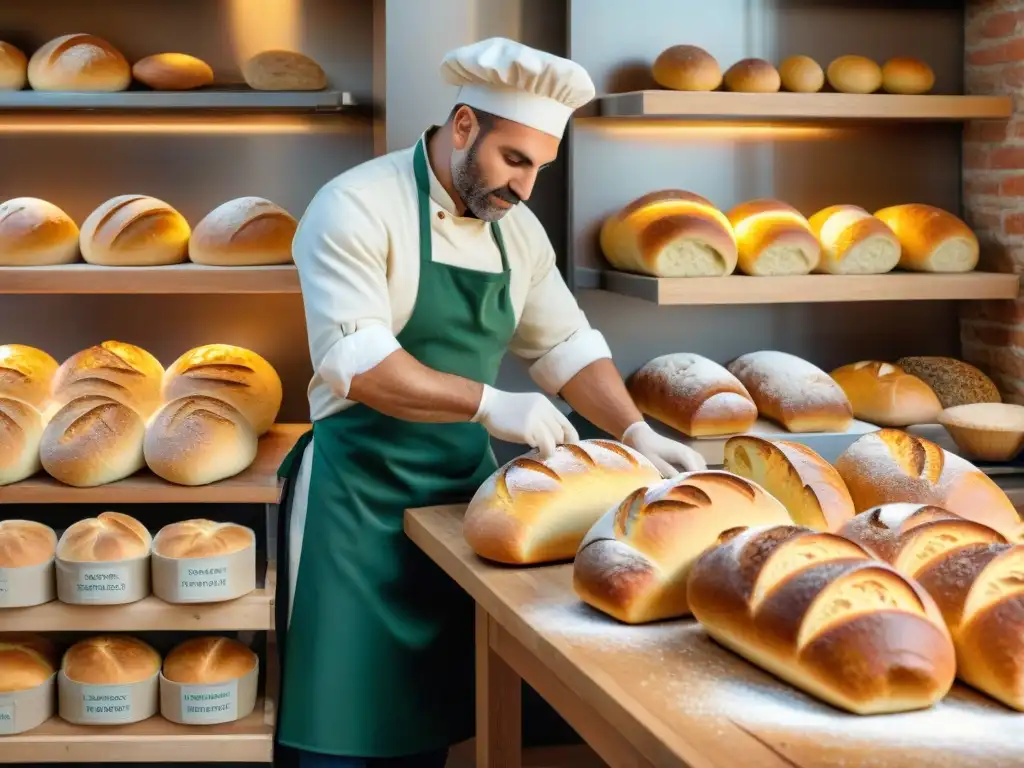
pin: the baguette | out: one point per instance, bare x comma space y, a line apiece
974, 576
817, 611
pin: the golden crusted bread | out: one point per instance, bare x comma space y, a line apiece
125, 372
135, 231
884, 394
247, 231
108, 537
532, 511
907, 75
172, 72
773, 238
24, 543
973, 574
692, 394
953, 381
854, 74
810, 488
21, 431
931, 239
793, 392
816, 610
26, 373
752, 76
13, 68
209, 661
853, 242
892, 466
36, 233
686, 68
801, 74
26, 661
670, 233
280, 70
634, 562
78, 62
201, 538
110, 660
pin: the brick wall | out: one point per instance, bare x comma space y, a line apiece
992, 332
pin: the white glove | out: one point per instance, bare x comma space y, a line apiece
663, 453
524, 417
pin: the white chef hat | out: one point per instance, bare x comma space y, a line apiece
519, 83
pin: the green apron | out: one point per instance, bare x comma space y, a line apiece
378, 656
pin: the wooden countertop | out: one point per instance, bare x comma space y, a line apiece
681, 699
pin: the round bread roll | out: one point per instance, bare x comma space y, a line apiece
21, 431
686, 68
752, 76
108, 537
884, 394
26, 661
249, 231
931, 239
35, 233
24, 543
26, 373
801, 74
172, 72
283, 71
196, 440
114, 369
954, 381
670, 233
209, 661
854, 74
853, 242
773, 238
235, 375
13, 68
201, 538
134, 231
93, 440
110, 660
907, 75
79, 62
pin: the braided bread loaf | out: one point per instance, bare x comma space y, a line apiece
634, 562
816, 610
975, 576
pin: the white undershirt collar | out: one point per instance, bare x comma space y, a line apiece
437, 191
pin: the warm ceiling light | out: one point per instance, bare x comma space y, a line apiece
273, 24
677, 130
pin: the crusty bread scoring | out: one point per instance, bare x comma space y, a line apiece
35, 233
110, 660
248, 231
884, 394
21, 432
114, 369
79, 62
201, 538
108, 537
26, 373
134, 231
209, 661
773, 238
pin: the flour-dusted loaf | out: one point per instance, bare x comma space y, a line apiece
634, 562
808, 486
26, 374
773, 238
134, 231
793, 392
670, 233
533, 511
890, 466
973, 574
36, 233
886, 395
931, 239
247, 231
816, 610
280, 70
79, 62
954, 381
21, 431
752, 76
693, 394
853, 242
123, 372
107, 537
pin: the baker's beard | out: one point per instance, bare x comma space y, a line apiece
467, 176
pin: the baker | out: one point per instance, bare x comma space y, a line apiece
419, 270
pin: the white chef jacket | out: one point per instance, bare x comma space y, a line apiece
357, 252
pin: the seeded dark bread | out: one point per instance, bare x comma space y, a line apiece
954, 381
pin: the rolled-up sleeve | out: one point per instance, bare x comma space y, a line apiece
341, 251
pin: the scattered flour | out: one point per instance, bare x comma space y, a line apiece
577, 622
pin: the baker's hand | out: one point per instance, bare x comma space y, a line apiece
670, 458
524, 417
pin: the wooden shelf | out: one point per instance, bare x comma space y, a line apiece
250, 740
236, 99
802, 106
256, 485
741, 289
176, 279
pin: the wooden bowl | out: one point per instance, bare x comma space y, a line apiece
986, 431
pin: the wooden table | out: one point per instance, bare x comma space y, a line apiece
666, 694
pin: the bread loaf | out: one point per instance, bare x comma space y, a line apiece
853, 242
197, 440
810, 488
110, 660
793, 392
884, 394
249, 231
21, 430
634, 562
752, 76
972, 573
891, 466
209, 661
24, 543
773, 238
201, 538
26, 661
134, 231
79, 62
953, 381
235, 375
670, 233
13, 68
686, 68
26, 373
107, 537
283, 71
931, 239
35, 233
173, 72
854, 74
801, 74
814, 609
91, 441
114, 369
907, 75
532, 511
692, 394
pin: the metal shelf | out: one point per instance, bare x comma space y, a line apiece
238, 99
